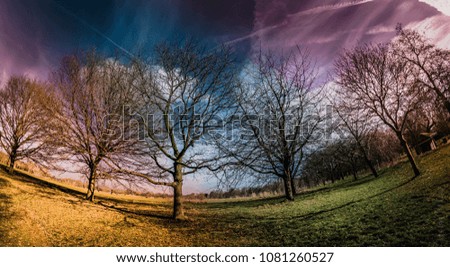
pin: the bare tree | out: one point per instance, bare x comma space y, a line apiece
25, 120
94, 94
423, 120
328, 163
358, 124
279, 114
432, 63
383, 147
377, 82
183, 93
349, 154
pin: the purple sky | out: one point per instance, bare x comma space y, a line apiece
35, 34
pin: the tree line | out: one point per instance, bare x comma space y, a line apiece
190, 108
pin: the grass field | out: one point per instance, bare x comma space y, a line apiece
392, 210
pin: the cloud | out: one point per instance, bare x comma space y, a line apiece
441, 5
381, 29
436, 28
325, 8
325, 27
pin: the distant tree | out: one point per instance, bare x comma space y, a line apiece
358, 124
340, 158
280, 115
94, 93
183, 92
383, 146
432, 63
325, 165
25, 120
345, 157
422, 120
381, 84
350, 156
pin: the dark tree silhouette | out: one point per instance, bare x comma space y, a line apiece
432, 63
377, 82
182, 92
280, 114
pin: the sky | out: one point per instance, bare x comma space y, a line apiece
34, 35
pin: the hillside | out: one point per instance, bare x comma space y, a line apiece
392, 210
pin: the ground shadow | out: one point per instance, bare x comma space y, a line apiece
6, 214
125, 210
29, 179
110, 203
314, 214
254, 203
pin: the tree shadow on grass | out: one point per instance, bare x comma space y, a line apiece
110, 203
126, 210
6, 214
29, 179
271, 223
244, 203
254, 203
314, 214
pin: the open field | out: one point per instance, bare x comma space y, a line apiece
392, 210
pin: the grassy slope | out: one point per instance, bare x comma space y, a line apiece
391, 210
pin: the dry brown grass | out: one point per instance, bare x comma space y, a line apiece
42, 216
391, 210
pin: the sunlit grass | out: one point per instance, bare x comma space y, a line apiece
392, 210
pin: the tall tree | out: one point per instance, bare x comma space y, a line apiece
358, 124
183, 92
432, 63
94, 94
377, 82
25, 120
279, 113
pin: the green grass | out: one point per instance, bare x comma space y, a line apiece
392, 210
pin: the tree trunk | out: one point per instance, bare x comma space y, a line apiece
367, 160
12, 162
294, 190
447, 105
178, 211
408, 152
443, 98
371, 167
288, 188
355, 175
91, 186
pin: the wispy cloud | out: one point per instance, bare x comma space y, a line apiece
441, 5
436, 28
325, 8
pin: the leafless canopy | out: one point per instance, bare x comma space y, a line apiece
359, 125
94, 92
377, 82
183, 91
432, 64
25, 120
279, 115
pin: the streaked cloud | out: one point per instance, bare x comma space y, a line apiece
441, 5
436, 28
